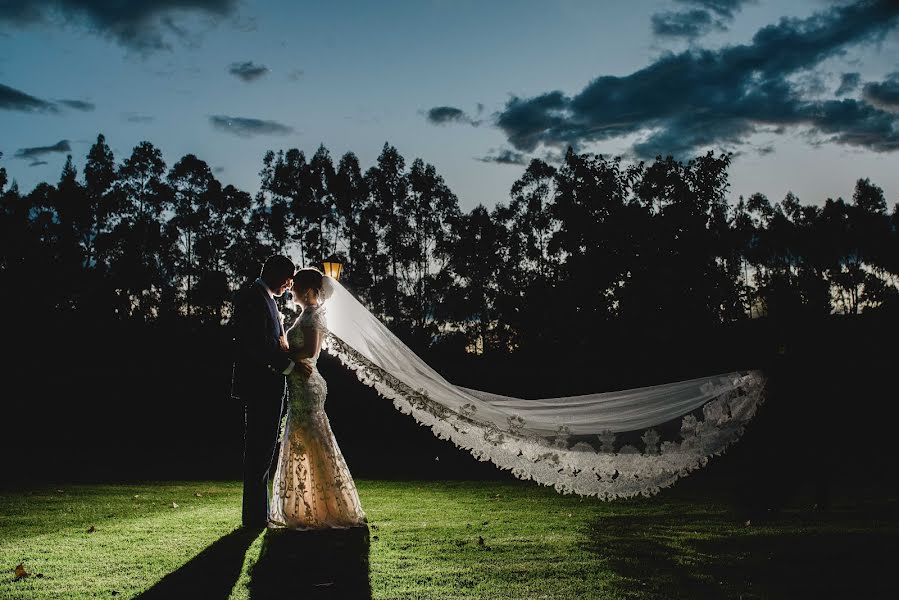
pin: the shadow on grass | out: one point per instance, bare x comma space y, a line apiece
664, 557
210, 574
312, 564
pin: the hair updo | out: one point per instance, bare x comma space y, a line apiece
310, 278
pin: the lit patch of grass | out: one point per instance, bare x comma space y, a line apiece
436, 540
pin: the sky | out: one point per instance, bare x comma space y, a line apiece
805, 93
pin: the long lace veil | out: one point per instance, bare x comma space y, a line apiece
569, 442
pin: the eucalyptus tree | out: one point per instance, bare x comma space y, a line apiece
387, 186
357, 222
193, 186
472, 281
273, 218
143, 251
101, 200
429, 210
596, 238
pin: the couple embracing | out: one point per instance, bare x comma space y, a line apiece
275, 372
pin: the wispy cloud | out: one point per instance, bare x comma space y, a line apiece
34, 154
505, 156
248, 127
78, 105
13, 99
247, 71
849, 82
701, 17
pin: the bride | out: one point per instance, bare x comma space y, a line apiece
312, 487
615, 444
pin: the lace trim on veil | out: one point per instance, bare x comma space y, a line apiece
569, 464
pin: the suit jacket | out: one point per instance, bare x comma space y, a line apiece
259, 361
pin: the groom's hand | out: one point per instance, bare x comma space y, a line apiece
304, 367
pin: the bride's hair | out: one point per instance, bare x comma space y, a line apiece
311, 278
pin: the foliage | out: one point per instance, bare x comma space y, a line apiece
648, 247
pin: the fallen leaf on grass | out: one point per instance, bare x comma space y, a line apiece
198, 495
91, 529
21, 573
174, 505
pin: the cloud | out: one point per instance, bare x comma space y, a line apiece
848, 83
723, 8
78, 105
687, 24
141, 25
247, 127
13, 99
505, 156
296, 74
884, 94
34, 154
702, 17
442, 115
248, 71
698, 98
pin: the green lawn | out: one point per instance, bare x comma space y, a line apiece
437, 540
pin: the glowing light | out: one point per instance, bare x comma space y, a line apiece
332, 268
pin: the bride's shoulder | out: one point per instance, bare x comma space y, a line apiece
314, 315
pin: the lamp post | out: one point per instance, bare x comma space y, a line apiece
332, 267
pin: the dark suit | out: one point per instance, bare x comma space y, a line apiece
258, 380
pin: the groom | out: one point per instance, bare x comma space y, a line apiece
258, 379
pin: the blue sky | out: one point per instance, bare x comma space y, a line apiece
460, 84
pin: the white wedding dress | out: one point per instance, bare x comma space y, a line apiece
312, 487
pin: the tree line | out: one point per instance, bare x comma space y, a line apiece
580, 247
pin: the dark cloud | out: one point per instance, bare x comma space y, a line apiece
505, 156
142, 25
687, 24
848, 83
78, 105
34, 154
700, 18
723, 8
698, 98
884, 94
247, 127
442, 115
248, 71
13, 99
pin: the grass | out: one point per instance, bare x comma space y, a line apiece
437, 540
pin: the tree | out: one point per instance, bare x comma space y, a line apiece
430, 210
387, 185
193, 186
143, 251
